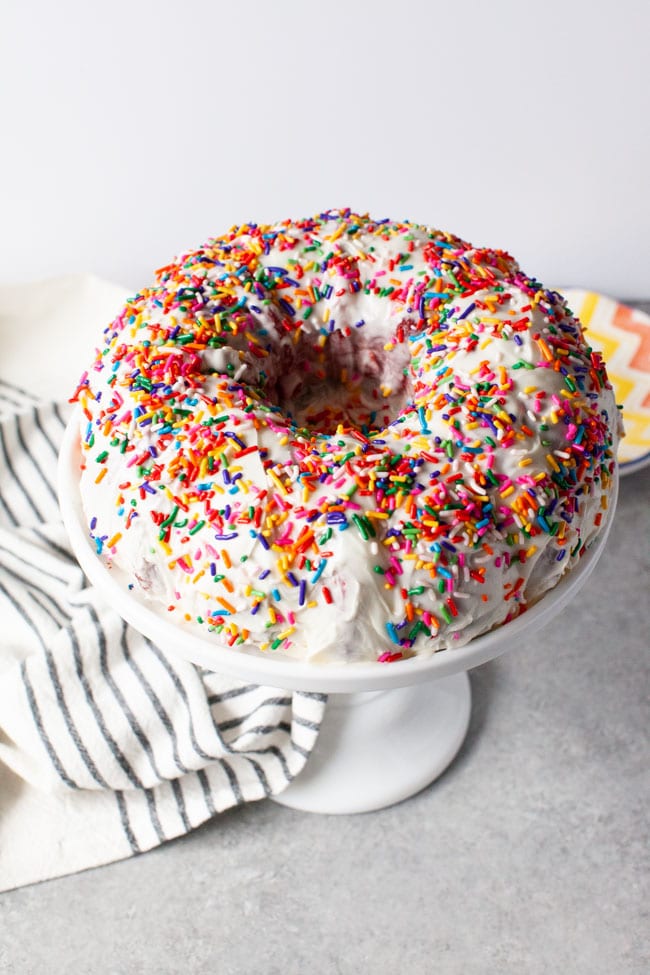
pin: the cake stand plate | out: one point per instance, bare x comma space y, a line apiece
389, 730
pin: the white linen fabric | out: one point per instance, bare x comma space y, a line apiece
108, 746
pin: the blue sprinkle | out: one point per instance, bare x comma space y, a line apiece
392, 632
319, 571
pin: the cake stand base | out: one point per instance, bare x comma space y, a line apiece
376, 748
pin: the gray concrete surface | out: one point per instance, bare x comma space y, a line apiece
529, 855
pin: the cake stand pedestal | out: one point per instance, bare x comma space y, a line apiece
376, 748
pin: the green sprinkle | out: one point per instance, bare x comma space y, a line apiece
362, 528
170, 518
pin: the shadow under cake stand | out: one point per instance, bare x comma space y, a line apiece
388, 730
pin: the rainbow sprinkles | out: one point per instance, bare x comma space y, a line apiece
345, 439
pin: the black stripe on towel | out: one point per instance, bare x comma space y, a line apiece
180, 802
232, 779
178, 684
126, 825
153, 814
33, 706
37, 467
70, 725
64, 553
207, 792
36, 413
21, 486
26, 397
155, 701
121, 700
114, 748
259, 771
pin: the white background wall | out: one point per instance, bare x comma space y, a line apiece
131, 129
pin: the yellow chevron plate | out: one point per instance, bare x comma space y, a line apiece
622, 334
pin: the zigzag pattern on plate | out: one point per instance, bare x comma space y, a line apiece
622, 334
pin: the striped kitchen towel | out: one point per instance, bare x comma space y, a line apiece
108, 746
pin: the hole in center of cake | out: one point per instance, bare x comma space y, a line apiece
348, 382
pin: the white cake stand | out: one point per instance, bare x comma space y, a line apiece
389, 730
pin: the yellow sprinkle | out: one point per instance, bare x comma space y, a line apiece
276, 480
508, 491
552, 462
101, 474
114, 540
525, 462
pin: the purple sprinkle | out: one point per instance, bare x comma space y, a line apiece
263, 542
226, 538
301, 594
93, 524
335, 517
